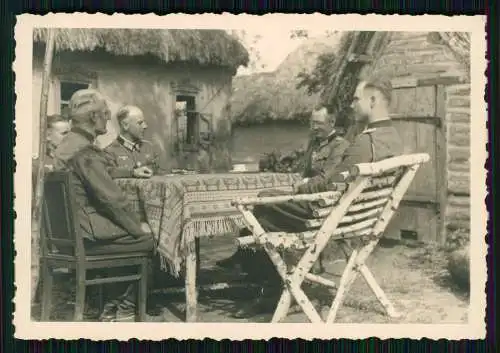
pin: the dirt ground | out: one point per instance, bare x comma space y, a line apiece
414, 279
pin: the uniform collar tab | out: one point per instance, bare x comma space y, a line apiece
128, 144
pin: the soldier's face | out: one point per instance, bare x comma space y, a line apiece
321, 125
101, 119
135, 126
57, 131
361, 104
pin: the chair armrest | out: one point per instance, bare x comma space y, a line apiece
387, 165
321, 197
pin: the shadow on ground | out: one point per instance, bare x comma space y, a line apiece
414, 279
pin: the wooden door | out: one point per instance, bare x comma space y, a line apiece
418, 115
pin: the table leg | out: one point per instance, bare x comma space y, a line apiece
191, 290
198, 263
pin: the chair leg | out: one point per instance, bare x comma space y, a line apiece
283, 306
142, 293
80, 294
347, 279
47, 282
101, 297
379, 293
305, 304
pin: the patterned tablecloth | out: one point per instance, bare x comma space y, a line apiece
179, 208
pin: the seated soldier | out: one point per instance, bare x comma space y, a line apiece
325, 150
131, 154
107, 219
378, 141
57, 128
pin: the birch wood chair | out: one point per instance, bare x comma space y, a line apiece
358, 210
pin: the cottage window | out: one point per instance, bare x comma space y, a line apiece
192, 126
187, 120
67, 88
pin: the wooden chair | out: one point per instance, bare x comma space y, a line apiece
358, 210
62, 247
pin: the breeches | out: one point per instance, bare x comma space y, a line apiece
286, 217
124, 244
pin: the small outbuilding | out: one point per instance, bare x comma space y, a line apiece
270, 110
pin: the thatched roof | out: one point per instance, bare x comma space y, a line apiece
459, 44
274, 96
345, 71
202, 47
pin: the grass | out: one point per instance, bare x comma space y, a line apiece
414, 278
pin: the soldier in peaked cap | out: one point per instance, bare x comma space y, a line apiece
108, 222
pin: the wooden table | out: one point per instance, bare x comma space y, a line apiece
182, 208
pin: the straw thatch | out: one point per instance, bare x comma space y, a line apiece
458, 43
274, 96
345, 73
202, 47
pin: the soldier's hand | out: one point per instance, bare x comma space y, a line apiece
146, 229
296, 187
143, 172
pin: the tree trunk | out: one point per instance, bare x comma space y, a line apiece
36, 210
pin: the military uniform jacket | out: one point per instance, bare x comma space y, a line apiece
323, 156
126, 155
73, 142
104, 211
48, 166
378, 141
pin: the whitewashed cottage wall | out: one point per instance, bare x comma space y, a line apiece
150, 86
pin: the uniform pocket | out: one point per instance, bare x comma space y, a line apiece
100, 227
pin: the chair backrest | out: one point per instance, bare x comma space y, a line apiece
373, 195
59, 235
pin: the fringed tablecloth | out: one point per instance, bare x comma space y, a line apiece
181, 207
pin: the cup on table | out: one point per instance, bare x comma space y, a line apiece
239, 168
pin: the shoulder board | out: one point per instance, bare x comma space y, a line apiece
368, 131
113, 144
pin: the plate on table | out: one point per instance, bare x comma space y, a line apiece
183, 172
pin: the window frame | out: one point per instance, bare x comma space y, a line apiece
66, 102
72, 75
185, 89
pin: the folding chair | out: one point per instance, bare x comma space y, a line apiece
359, 209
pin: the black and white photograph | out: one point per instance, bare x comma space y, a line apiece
302, 176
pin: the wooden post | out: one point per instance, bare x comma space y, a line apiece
36, 210
441, 162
